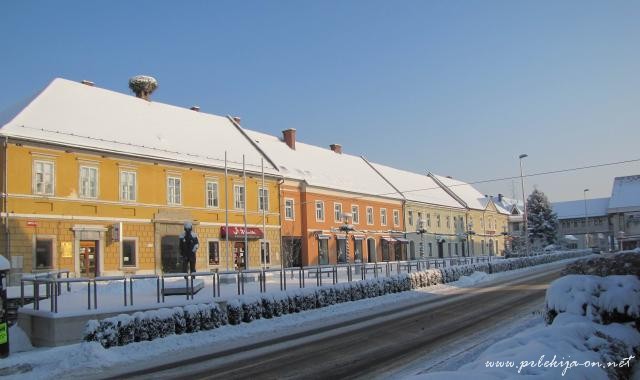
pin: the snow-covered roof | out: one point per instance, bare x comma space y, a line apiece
469, 194
417, 187
575, 209
625, 195
81, 116
321, 167
508, 204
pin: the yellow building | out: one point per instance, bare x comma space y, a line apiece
486, 221
100, 183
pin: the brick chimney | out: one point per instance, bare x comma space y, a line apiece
336, 148
237, 119
195, 108
289, 137
500, 196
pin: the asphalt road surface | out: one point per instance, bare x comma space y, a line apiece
366, 347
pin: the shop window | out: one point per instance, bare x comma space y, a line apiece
129, 253
323, 251
214, 253
44, 254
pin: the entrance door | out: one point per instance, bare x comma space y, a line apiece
440, 249
239, 258
88, 258
463, 250
371, 250
491, 248
170, 254
292, 251
357, 251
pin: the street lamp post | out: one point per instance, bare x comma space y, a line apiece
524, 201
421, 230
586, 220
470, 232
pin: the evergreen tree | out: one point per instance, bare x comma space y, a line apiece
542, 221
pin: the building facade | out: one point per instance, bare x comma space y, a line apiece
584, 223
100, 183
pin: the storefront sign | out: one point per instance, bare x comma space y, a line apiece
66, 249
238, 233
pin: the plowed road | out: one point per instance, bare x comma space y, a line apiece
364, 347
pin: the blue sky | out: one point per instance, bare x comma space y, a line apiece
460, 88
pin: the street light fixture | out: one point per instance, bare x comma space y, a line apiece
524, 201
586, 220
346, 228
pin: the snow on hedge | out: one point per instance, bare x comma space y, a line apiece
149, 325
601, 299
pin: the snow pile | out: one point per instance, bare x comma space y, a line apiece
18, 340
572, 347
627, 262
601, 299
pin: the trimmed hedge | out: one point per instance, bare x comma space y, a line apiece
149, 325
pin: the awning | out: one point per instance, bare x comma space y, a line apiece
389, 239
341, 237
359, 237
238, 233
402, 240
323, 237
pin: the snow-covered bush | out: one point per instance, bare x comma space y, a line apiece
218, 315
234, 311
167, 322
251, 309
192, 318
268, 306
179, 320
622, 263
604, 300
309, 299
141, 326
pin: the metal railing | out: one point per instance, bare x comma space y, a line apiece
324, 275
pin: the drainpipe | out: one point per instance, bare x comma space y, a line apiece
5, 196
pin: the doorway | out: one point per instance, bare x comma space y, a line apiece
88, 258
371, 250
292, 251
440, 249
170, 254
239, 255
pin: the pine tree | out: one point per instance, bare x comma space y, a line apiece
542, 221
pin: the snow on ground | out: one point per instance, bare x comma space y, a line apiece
48, 363
573, 347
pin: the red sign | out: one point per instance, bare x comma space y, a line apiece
31, 223
239, 233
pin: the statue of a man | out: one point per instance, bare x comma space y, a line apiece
188, 248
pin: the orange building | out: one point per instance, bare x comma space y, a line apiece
335, 207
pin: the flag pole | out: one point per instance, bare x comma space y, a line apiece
246, 240
226, 209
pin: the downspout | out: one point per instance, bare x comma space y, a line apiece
4, 197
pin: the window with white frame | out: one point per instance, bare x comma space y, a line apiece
383, 216
288, 209
127, 186
88, 182
129, 252
355, 214
320, 211
212, 194
370, 215
174, 190
337, 212
43, 177
410, 217
263, 199
396, 217
238, 197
